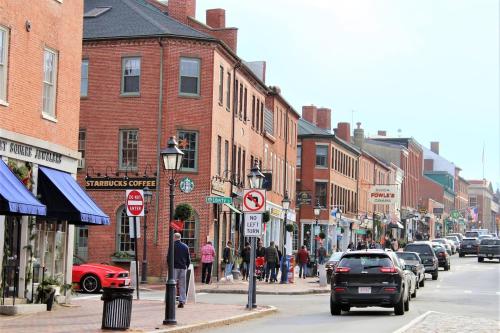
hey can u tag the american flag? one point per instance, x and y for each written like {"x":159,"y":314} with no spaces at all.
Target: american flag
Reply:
{"x":473,"y":213}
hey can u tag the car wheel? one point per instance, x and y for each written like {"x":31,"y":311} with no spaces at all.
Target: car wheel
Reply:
{"x":461,"y":255}
{"x":414,"y":293}
{"x":90,"y":284}
{"x":447,"y":267}
{"x":346,"y":308}
{"x":422,"y":283}
{"x":399,"y":308}
{"x":435,"y":275}
{"x":479,"y":259}
{"x":407,"y":303}
{"x":335,"y":308}
{"x":328,"y":279}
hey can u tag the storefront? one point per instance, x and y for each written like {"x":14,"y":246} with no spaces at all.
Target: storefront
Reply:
{"x":40,"y":203}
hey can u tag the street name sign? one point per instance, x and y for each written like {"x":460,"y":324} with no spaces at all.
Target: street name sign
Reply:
{"x":253,"y":225}
{"x":134,"y":201}
{"x":254,"y":201}
{"x":219,"y":200}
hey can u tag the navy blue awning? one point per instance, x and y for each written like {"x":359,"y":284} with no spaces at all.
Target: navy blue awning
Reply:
{"x":15,"y":197}
{"x":66,"y":200}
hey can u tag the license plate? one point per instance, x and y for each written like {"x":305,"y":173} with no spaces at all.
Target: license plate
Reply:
{"x":364,"y":290}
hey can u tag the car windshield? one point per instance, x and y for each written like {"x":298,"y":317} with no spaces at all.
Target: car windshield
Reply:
{"x":407,"y":256}
{"x":469,"y":241}
{"x":336,"y":256}
{"x":453,"y":238}
{"x":490,"y":241}
{"x":419,"y":248}
{"x":369,"y":263}
{"x":438,"y":248}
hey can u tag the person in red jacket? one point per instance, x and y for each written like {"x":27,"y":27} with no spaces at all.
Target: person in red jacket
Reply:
{"x":302,"y":260}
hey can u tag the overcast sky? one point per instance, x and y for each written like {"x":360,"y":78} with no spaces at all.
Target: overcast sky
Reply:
{"x":427,"y":67}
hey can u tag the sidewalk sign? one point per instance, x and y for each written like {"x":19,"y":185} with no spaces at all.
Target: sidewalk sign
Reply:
{"x":190,"y":285}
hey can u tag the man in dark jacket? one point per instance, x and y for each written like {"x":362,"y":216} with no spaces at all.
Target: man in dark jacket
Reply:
{"x":182,"y":260}
{"x":271,"y":257}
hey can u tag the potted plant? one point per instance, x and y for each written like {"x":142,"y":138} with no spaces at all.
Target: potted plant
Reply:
{"x":47,"y":290}
{"x":290,"y":227}
{"x":183,"y":212}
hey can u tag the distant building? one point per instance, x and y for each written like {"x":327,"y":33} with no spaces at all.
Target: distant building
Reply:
{"x":480,"y":200}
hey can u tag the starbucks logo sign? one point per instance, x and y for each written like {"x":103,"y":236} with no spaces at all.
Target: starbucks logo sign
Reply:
{"x":187,"y":185}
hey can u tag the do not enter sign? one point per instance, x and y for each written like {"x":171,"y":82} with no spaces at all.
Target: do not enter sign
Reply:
{"x":134,"y":201}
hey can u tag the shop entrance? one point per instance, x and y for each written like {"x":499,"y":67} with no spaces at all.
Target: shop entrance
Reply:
{"x":10,"y":260}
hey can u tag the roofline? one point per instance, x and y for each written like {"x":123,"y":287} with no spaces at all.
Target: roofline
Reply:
{"x":275,"y":93}
{"x":377,"y":159}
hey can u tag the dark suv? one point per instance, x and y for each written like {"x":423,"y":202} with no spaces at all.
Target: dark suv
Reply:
{"x":468,"y":246}
{"x":426,"y":253}
{"x":369,"y":278}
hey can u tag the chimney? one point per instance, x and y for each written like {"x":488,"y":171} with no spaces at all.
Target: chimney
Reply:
{"x":382,"y":133}
{"x":216,"y":18}
{"x":435,"y":147}
{"x":359,"y":136}
{"x":428,"y":164}
{"x":324,"y":118}
{"x":344,"y":131}
{"x":180,"y":10}
{"x":309,"y":113}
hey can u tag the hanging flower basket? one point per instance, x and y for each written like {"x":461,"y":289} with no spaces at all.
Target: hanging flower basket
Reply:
{"x":183,"y":212}
{"x":266,"y":216}
{"x":290,"y":227}
{"x":322,"y":235}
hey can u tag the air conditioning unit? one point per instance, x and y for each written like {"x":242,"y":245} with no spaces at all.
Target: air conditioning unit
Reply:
{"x":81,"y":163}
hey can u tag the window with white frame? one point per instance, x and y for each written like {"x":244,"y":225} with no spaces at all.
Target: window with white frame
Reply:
{"x":189,"y":234}
{"x":189,"y":82}
{"x":129,"y":143}
{"x":84,"y":81}
{"x":123,"y":241}
{"x":188,"y":143}
{"x":131,"y":75}
{"x":4,"y":56}
{"x":321,"y":156}
{"x":299,"y":155}
{"x":49,"y":82}
{"x":82,"y":136}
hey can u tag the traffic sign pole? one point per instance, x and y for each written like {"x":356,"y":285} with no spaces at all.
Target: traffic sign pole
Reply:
{"x":136,"y":258}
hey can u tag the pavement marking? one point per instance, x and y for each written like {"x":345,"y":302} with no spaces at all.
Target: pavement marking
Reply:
{"x":201,"y":294}
{"x":438,"y":286}
{"x":85,"y":297}
{"x":414,"y":322}
{"x":467,"y":291}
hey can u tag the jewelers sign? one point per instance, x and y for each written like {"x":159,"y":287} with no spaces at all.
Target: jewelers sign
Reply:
{"x":383,"y":194}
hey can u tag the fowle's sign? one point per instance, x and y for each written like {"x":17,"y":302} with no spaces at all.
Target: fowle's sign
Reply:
{"x":383,"y":194}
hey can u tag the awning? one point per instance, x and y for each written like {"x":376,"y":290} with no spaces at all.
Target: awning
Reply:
{"x":396,"y":225}
{"x":65,"y":199}
{"x":233,"y":208}
{"x":15,"y":197}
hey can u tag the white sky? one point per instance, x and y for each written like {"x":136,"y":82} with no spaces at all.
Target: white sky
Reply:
{"x":427,"y":67}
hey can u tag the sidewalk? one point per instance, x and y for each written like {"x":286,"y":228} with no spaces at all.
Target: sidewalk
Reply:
{"x":147,"y":316}
{"x":436,"y":322}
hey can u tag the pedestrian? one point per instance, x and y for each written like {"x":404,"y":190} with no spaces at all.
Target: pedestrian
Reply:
{"x":321,"y":254}
{"x":361,"y":245}
{"x":245,"y":256}
{"x":302,"y":261}
{"x":271,"y":257}
{"x":373,"y":245}
{"x":394,"y":244}
{"x":351,"y":246}
{"x":182,"y":261}
{"x":207,"y":260}
{"x":260,"y":251}
{"x":227,"y":257}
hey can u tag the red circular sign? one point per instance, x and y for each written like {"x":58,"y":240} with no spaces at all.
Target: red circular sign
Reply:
{"x":254,"y":201}
{"x":135,"y":203}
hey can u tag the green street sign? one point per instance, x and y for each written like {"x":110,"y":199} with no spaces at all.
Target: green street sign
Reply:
{"x":218,"y":200}
{"x":455,"y":214}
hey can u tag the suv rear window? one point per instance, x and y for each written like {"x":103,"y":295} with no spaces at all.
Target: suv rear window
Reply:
{"x":490,"y":241}
{"x":370,"y":263}
{"x":469,"y":241}
{"x":471,"y":234}
{"x":419,"y":248}
{"x":407,"y":256}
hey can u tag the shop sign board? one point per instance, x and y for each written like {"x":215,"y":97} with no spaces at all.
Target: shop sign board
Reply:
{"x":383,"y":194}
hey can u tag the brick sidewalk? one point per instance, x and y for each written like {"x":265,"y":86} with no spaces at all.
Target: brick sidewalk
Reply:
{"x":446,"y":323}
{"x":86,"y":316}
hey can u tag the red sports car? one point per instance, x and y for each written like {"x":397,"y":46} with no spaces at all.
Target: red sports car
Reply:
{"x":90,"y":278}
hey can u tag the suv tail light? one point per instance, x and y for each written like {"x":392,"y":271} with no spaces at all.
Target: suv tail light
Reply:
{"x":342,"y":270}
{"x":441,"y":254}
{"x":388,"y":270}
{"x":390,"y":289}
{"x":339,"y":290}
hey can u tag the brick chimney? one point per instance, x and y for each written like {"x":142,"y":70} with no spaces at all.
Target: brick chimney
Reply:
{"x":428,"y":164}
{"x":382,"y":133}
{"x":324,"y":118}
{"x":182,"y":9}
{"x":435,"y":147}
{"x":216,"y":18}
{"x":309,"y":113}
{"x":359,"y":136}
{"x":344,"y":131}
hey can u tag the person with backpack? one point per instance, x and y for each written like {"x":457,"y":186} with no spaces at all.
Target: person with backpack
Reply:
{"x":302,"y":261}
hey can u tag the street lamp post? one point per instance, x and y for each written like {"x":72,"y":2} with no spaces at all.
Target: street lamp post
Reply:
{"x":317,"y":211}
{"x":285,"y":203}
{"x":172,"y":160}
{"x":255,"y":178}
{"x":338,"y":217}
{"x":148,"y":194}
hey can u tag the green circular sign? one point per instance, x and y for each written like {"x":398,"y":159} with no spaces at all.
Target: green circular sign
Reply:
{"x":187,"y":185}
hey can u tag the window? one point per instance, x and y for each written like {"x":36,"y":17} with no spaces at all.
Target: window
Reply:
{"x":320,"y":191}
{"x":238,"y":168}
{"x":84,"y":81}
{"x":131,"y":74}
{"x":221,"y":84}
{"x":123,"y":241}
{"x":82,"y":135}
{"x":245,"y":106}
{"x":49,"y":82}
{"x":188,"y":143}
{"x":261,"y":117}
{"x":226,"y":155}
{"x":257,"y":121}
{"x":299,"y":156}
{"x":189,"y":76}
{"x":235,"y":106}
{"x":189,"y":234}
{"x":243,"y":166}
{"x":4,"y":44}
{"x":321,"y":156}
{"x":219,"y":148}
{"x":253,"y":111}
{"x":228,"y":93}
{"x":128,"y":149}
{"x":472,"y":201}
{"x":241,"y":101}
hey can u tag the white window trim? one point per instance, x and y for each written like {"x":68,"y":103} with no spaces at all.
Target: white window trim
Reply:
{"x":122,"y":84}
{"x":3,"y":101}
{"x":198,"y":88}
{"x":46,"y":115}
{"x":196,"y":153}
{"x":120,"y":152}
{"x":81,"y":78}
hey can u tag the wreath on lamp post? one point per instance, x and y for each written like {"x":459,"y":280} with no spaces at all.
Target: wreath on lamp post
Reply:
{"x":183,"y":212}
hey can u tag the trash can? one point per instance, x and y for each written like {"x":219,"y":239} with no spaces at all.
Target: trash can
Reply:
{"x":117,"y":308}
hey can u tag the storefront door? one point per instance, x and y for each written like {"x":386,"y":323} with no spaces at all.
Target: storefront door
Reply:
{"x":12,"y":251}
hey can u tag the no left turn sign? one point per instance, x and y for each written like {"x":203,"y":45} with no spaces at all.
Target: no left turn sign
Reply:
{"x":254,"y":201}
{"x":134,"y":201}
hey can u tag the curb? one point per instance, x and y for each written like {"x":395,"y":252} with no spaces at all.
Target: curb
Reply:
{"x":414,"y":322}
{"x":263,"y":292}
{"x":267,"y":310}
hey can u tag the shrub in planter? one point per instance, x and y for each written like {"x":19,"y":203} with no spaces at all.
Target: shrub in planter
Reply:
{"x":322,"y":235}
{"x":290,"y":227}
{"x":183,"y":212}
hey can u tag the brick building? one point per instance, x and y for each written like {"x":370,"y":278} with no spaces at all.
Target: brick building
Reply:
{"x":480,"y":197}
{"x":146,"y":76}
{"x":40,"y":58}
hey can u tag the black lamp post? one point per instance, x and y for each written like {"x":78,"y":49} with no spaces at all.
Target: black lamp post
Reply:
{"x":255,"y":178}
{"x":148,"y":194}
{"x":285,"y":203}
{"x":172,"y":161}
{"x":338,"y":217}
{"x":317,"y":211}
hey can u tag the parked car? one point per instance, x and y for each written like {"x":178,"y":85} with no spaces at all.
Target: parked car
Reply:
{"x":90,"y":277}
{"x":445,"y":243}
{"x":481,"y":237}
{"x":469,"y":246}
{"x":412,"y":277}
{"x":331,"y":263}
{"x":455,"y":240}
{"x":442,"y":255}
{"x":489,"y":248}
{"x":413,"y":259}
{"x":426,"y":253}
{"x":459,"y":235}
{"x":369,"y":278}
{"x":472,"y":234}
{"x":494,"y":235}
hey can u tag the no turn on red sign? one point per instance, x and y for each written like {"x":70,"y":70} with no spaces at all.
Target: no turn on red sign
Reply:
{"x":254,"y":201}
{"x":134,"y":201}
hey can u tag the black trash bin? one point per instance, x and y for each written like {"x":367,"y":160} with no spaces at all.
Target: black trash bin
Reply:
{"x":117,"y":308}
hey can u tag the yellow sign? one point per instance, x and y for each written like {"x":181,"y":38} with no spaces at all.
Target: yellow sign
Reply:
{"x":276,"y":212}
